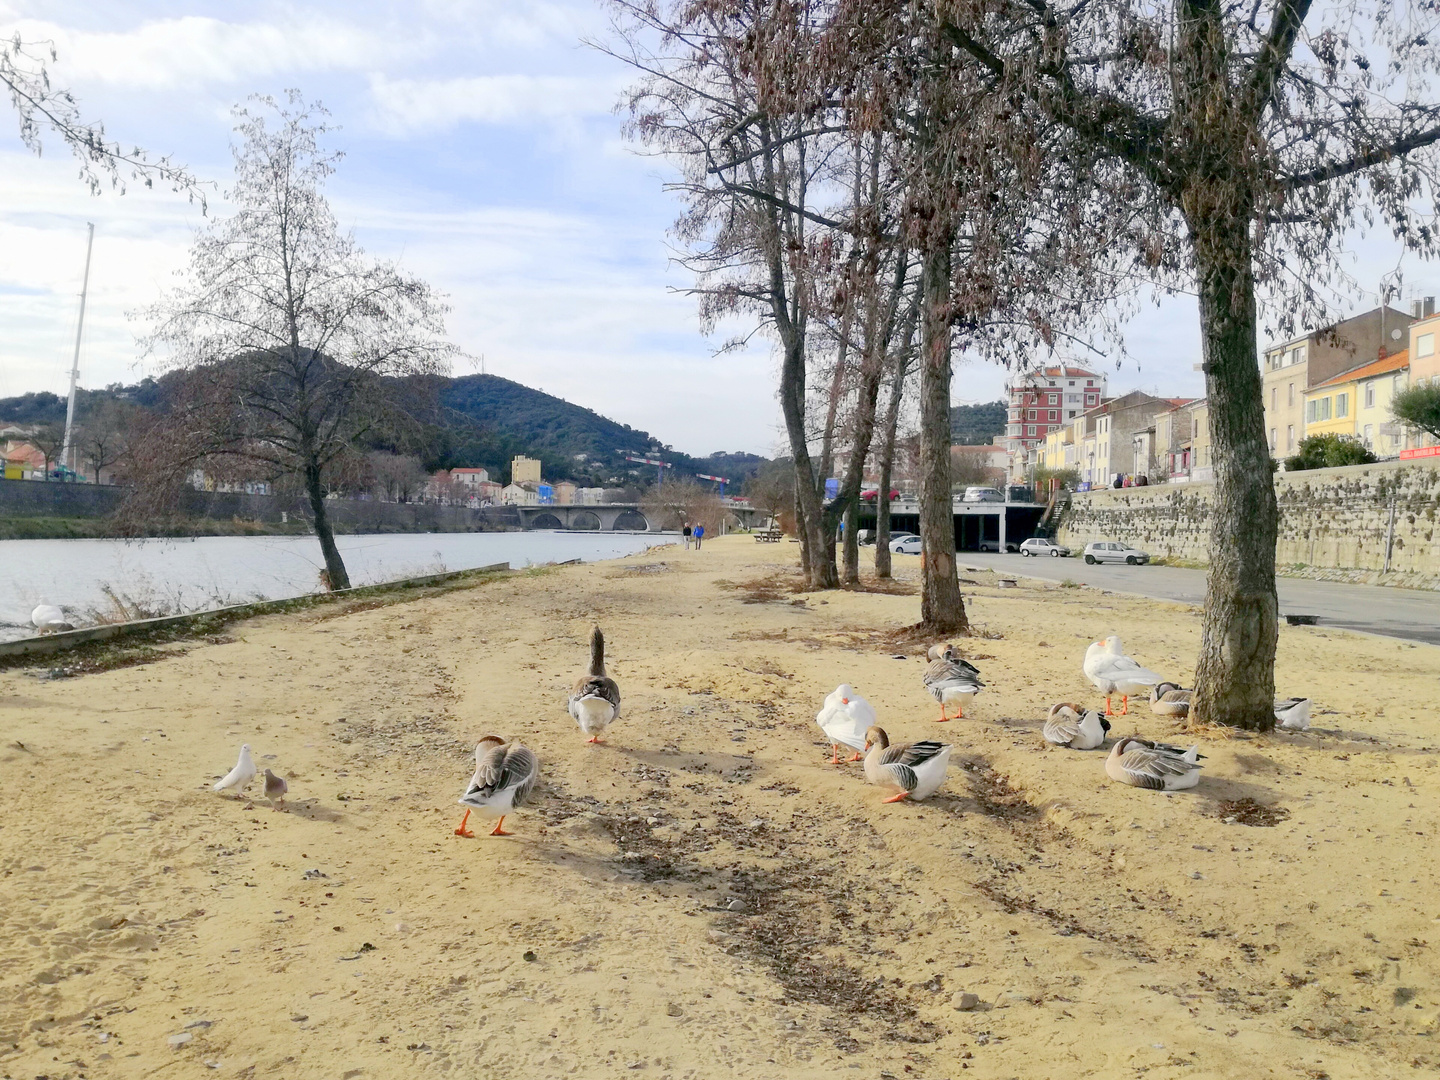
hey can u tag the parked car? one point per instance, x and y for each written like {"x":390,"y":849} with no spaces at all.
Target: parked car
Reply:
{"x":906,"y":545}
{"x":994,"y":545}
{"x":1101,"y":551}
{"x":1043,"y":545}
{"x":982,"y":495}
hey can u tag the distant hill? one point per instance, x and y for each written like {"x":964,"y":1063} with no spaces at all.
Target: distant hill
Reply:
{"x":484,"y":421}
{"x":975,"y":425}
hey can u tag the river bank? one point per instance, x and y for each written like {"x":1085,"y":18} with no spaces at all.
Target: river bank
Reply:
{"x":705,"y":897}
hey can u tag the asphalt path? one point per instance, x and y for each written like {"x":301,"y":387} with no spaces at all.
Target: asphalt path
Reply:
{"x":1411,"y":614}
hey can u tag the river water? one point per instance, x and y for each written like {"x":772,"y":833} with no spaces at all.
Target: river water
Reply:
{"x":164,"y":577}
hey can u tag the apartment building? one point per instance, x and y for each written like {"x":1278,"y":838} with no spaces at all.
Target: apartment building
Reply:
{"x":1046,"y":399}
{"x":1356,"y":404}
{"x":1294,"y":368}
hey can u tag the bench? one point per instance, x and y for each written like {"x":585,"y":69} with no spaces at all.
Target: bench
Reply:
{"x":768,"y":536}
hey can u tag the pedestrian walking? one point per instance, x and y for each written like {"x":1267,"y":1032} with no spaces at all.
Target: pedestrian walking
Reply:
{"x":699,"y":535}
{"x":685,"y":532}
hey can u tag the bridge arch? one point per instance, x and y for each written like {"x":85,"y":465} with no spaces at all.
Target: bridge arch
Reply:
{"x":546,"y":521}
{"x":585,"y":520}
{"x":631,"y":520}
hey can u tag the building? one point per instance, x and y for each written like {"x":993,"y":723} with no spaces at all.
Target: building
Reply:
{"x":1424,"y":362}
{"x":1290,"y":370}
{"x":565,"y":492}
{"x":590,"y":496}
{"x":520,"y":495}
{"x":523,"y":469}
{"x":1182,"y":443}
{"x":489,"y":491}
{"x":1116,"y":423}
{"x":23,"y":462}
{"x":1043,"y":400}
{"x":1356,"y":404}
{"x":979,"y":464}
{"x":471,"y":478}
{"x":1057,"y":442}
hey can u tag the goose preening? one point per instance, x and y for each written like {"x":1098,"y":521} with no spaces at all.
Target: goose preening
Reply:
{"x":238,"y":778}
{"x":49,"y":619}
{"x":595,"y":699}
{"x":845,"y":717}
{"x":1167,"y":699}
{"x":1112,"y":672}
{"x":914,"y":770}
{"x":1157,"y":766}
{"x":1293,"y":714}
{"x":949,"y":677}
{"x":275,"y":789}
{"x":1078,"y":728}
{"x":505,"y":774}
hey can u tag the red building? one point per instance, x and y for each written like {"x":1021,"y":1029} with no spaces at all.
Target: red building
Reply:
{"x":1043,"y":400}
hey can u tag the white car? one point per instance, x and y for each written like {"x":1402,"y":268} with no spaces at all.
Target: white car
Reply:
{"x":1102,"y":551}
{"x":1043,"y":545}
{"x":906,"y":545}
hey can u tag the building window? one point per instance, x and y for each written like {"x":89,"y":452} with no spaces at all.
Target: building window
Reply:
{"x":1274,"y":398}
{"x":1342,"y":405}
{"x":1054,"y":399}
{"x":1395,"y":385}
{"x":1369,"y":395}
{"x":1290,"y":393}
{"x":1272,"y":440}
{"x":1030,"y":430}
{"x":1370,"y":435}
{"x":1072,"y":398}
{"x":1054,"y":415}
{"x":1425,"y":345}
{"x":1317,"y":410}
{"x":1297,"y":354}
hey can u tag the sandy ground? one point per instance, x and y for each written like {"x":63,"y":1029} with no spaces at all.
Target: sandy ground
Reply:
{"x":706,"y":897}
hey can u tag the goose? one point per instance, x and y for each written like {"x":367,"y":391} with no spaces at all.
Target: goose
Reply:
{"x":1112,"y":672}
{"x":49,"y":619}
{"x":505,"y":774}
{"x":238,"y":778}
{"x":1157,"y":766}
{"x":595,"y":699}
{"x":1293,"y":714}
{"x":950,"y":677}
{"x":915,"y":770}
{"x":1167,"y":699}
{"x":1080,"y":729}
{"x":844,"y":718}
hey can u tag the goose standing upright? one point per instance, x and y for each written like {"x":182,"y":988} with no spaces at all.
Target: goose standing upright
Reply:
{"x":1112,"y":672}
{"x":950,"y":677}
{"x":505,"y":774}
{"x":915,"y":770}
{"x":595,"y":699}
{"x":845,"y":717}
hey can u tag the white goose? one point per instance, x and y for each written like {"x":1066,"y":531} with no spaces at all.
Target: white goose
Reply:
{"x":1112,"y":672}
{"x":49,"y":619}
{"x":914,"y":771}
{"x":845,"y":717}
{"x":1071,"y":725}
{"x":595,"y":698}
{"x":1293,"y":714}
{"x":1157,"y":766}
{"x":949,"y":677}
{"x":505,"y":774}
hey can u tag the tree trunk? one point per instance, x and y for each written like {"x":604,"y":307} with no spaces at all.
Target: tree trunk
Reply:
{"x":851,"y":547}
{"x":809,"y":514}
{"x":941,"y":606}
{"x":887,"y":450}
{"x":334,"y":565}
{"x":1235,"y":677}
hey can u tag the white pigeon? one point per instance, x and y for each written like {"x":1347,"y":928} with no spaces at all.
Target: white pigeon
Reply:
{"x":1293,"y":714}
{"x":238,"y":778}
{"x":1112,"y":672}
{"x":844,"y":717}
{"x":49,"y":619}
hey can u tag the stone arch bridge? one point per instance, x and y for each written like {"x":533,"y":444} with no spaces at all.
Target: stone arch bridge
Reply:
{"x":609,"y":517}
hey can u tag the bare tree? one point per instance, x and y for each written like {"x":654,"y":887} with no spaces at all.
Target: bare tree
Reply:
{"x":49,"y":439}
{"x":397,"y":476}
{"x":286,"y":329}
{"x":677,"y":503}
{"x":103,"y":438}
{"x":40,"y":106}
{"x":1239,"y":143}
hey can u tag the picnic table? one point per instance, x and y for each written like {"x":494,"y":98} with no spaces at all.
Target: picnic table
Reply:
{"x":767,"y":536}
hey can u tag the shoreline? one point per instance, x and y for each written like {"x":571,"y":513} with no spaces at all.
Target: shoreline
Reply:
{"x":705,"y":897}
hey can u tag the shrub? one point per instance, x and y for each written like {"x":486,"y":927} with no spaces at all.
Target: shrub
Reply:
{"x":1328,"y":452}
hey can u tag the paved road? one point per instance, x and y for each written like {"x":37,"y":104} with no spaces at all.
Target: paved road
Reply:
{"x":1413,"y":614}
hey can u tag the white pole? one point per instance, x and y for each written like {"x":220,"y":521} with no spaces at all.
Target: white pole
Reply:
{"x":67,"y":448}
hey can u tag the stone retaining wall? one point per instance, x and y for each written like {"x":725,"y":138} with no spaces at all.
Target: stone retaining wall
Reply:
{"x":1329,"y":518}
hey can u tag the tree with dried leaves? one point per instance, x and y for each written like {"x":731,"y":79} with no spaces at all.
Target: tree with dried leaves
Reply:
{"x":1239,"y":144}
{"x":285,"y":330}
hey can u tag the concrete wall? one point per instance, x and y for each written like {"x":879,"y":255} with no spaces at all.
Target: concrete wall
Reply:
{"x":1329,"y":518}
{"x":32,"y":498}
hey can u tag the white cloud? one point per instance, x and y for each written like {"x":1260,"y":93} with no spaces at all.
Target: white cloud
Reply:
{"x":405,"y":105}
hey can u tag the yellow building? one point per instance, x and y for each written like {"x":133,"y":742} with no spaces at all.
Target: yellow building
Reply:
{"x":524,"y":469}
{"x":1053,"y":452}
{"x":1330,"y":407}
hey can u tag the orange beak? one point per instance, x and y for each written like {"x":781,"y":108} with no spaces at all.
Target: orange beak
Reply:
{"x":844,"y":701}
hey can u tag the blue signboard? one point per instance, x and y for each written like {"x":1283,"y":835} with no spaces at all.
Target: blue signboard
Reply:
{"x":832,"y":488}
{"x":547,"y":494}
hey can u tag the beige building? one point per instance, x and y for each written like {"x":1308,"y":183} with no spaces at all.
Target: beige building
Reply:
{"x":1291,"y":369}
{"x":1424,"y":361}
{"x":565,"y":493}
{"x":1182,"y":443}
{"x":524,"y":469}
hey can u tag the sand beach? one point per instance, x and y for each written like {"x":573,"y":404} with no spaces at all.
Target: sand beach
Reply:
{"x":705,"y":896}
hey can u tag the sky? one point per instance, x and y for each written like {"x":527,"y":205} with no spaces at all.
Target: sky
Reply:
{"x":482,"y":150}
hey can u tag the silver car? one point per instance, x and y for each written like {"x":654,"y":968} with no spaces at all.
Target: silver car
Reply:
{"x":1043,"y":545}
{"x":1102,"y":551}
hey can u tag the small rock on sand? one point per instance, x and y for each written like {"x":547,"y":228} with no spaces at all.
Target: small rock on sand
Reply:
{"x":177,"y":1041}
{"x":965,"y":1001}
